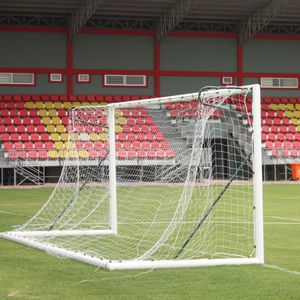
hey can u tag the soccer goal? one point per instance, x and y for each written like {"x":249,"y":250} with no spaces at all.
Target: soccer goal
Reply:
{"x":158,"y":183}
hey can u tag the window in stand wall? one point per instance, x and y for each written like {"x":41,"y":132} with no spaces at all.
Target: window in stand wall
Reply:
{"x":83,"y":78}
{"x":17,"y":79}
{"x":55,"y":77}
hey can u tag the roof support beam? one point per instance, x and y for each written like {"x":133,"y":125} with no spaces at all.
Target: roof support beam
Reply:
{"x":261,"y":18}
{"x":174,"y":16}
{"x":82,"y":14}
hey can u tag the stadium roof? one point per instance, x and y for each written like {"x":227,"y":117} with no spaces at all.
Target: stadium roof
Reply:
{"x":247,"y":17}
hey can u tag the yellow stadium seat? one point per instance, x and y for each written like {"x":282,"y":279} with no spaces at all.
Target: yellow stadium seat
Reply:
{"x":43,"y":113}
{"x":77,"y":103}
{"x":69,"y":145}
{"x":294,"y":121}
{"x":297,"y":106}
{"x":59,"y":105}
{"x":118,"y":112}
{"x":118,"y":128}
{"x":39,"y":105}
{"x":47,"y":120}
{"x":62,"y":153}
{"x":49,"y":105}
{"x":59,"y":145}
{"x":67,"y":104}
{"x":297,"y":114}
{"x":55,"y":137}
{"x":51,"y":128}
{"x":121,"y":120}
{"x":30,"y":105}
{"x":64,"y":136}
{"x":94,"y":136}
{"x":290,"y":106}
{"x":273,"y":106}
{"x":103,"y":136}
{"x":72,"y":154}
{"x":94,"y":103}
{"x":289,"y":114}
{"x":103,"y":103}
{"x":56,"y":120}
{"x":281,"y":106}
{"x":85,"y":103}
{"x":52,"y":112}
{"x":298,"y":128}
{"x":53,"y":154}
{"x":83,"y":154}
{"x":60,"y":128}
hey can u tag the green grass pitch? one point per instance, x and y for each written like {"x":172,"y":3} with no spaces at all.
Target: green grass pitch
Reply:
{"x":27,"y":273}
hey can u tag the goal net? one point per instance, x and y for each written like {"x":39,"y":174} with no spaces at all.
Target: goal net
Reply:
{"x":163,"y":182}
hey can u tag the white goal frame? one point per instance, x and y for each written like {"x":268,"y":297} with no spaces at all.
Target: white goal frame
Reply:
{"x":28,"y":237}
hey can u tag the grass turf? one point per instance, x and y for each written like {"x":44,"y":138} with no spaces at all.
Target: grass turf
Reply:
{"x":26,"y":273}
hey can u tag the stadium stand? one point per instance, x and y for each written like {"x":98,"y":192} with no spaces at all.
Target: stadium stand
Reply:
{"x":36,"y":127}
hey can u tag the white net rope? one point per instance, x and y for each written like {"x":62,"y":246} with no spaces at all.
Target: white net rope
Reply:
{"x":184,"y":181}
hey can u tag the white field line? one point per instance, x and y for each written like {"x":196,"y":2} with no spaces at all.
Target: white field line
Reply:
{"x":283,"y":218}
{"x":4,"y":212}
{"x":282,"y":269}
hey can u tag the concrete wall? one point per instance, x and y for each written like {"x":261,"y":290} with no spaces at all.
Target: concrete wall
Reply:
{"x":198,"y":54}
{"x":104,"y":52}
{"x":32,"y":50}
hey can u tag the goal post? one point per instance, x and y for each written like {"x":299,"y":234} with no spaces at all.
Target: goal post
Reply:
{"x":165,"y":182}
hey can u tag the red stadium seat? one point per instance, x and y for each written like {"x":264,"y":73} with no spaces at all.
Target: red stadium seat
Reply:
{"x":122,"y":154}
{"x":5,"y":137}
{"x":8,"y":145}
{"x":159,"y":136}
{"x":48,"y":145}
{"x":160,"y":153}
{"x":146,"y":145}
{"x":127,"y":145}
{"x":24,"y":137}
{"x":7,"y":120}
{"x":151,"y":154}
{"x":141,"y":154}
{"x":269,"y":144}
{"x":27,"y":120}
{"x":38,"y":145}
{"x":33,"y":112}
{"x":3,"y":128}
{"x":42,"y":154}
{"x":20,"y":128}
{"x":271,"y":136}
{"x":132,"y":154}
{"x":10,"y":128}
{"x":14,"y":137}
{"x":19,"y":145}
{"x":136,"y":144}
{"x":32,"y":154}
{"x":13,"y":112}
{"x":35,"y":137}
{"x":287,"y":144}
{"x":29,"y":145}
{"x":45,"y":137}
{"x":289,"y":136}
{"x":155,"y":145}
{"x":122,"y":136}
{"x":140,"y":136}
{"x":280,"y":137}
{"x":150,"y":137}
{"x":277,"y":144}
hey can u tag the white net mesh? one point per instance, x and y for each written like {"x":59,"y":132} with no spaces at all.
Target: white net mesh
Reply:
{"x":184,"y":180}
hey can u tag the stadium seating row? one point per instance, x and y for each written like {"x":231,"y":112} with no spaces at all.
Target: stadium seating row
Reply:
{"x":121,"y":154}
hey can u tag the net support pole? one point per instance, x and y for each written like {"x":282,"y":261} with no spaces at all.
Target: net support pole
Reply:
{"x":112,"y":171}
{"x":257,"y":176}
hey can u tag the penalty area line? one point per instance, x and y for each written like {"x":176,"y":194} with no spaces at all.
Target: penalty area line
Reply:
{"x":285,"y":270}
